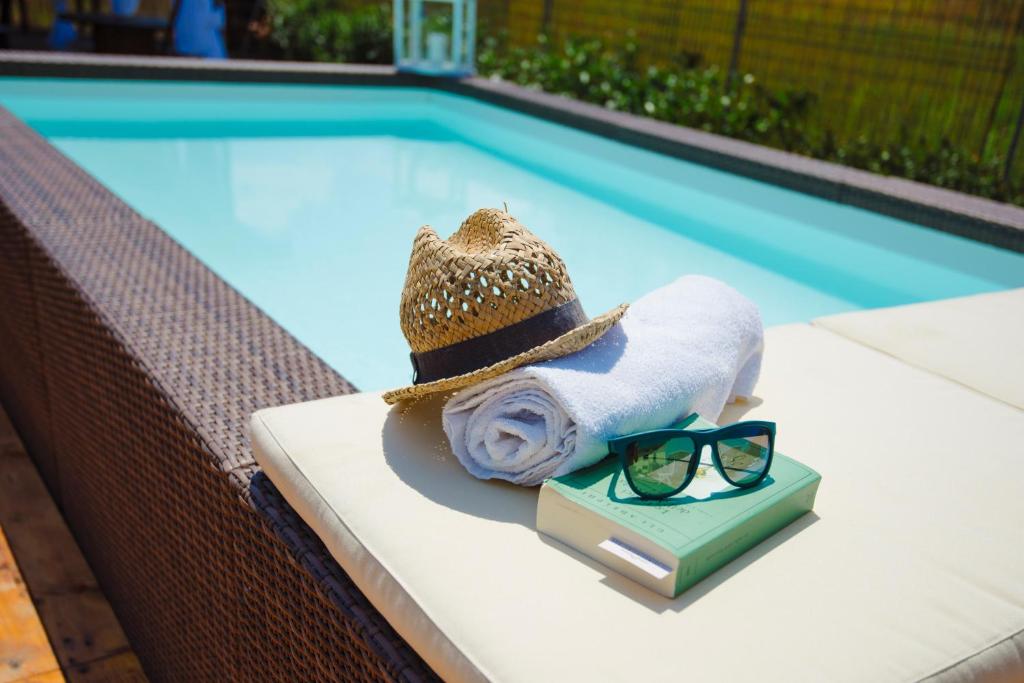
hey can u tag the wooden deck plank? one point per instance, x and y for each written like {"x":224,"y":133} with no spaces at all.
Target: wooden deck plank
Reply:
{"x":122,"y":668}
{"x":86,"y":638}
{"x":54,"y":676}
{"x":24,"y":649}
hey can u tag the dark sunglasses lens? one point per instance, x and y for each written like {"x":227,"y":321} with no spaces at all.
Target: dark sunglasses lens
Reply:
{"x":658,"y":469}
{"x":744,"y":459}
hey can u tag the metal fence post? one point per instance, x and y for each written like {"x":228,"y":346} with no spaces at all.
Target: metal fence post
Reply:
{"x":545,"y":21}
{"x":1011,"y":151}
{"x":737,"y":39}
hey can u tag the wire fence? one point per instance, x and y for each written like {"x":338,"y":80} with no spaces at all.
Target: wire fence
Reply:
{"x":883,"y":69}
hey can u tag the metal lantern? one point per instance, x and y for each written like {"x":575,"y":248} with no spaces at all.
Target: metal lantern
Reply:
{"x":435,"y":37}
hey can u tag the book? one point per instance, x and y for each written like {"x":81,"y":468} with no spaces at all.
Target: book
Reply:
{"x":669,"y":545}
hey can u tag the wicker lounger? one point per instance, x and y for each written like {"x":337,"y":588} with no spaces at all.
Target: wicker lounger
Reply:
{"x":130,"y":370}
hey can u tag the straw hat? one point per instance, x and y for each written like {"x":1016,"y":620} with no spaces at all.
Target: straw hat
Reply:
{"x":489,"y":299}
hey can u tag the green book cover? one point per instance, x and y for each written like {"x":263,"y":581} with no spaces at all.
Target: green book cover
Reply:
{"x":672,"y":544}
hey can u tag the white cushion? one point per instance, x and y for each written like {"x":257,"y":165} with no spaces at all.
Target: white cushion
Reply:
{"x":975,"y":340}
{"x":910,"y":568}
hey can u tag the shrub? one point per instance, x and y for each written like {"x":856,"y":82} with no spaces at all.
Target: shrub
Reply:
{"x":943,"y":164}
{"x":704,"y":97}
{"x":687,"y":94}
{"x":325,"y":31}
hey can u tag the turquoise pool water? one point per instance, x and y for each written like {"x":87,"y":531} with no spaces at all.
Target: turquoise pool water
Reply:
{"x":306,"y":199}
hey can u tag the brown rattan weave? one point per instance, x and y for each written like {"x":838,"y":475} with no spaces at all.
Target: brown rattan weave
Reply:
{"x":130,"y":370}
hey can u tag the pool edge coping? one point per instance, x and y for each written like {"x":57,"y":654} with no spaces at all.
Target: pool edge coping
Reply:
{"x":969,"y":216}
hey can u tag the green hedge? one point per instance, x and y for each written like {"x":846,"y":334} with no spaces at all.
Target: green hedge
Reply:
{"x":686,"y":93}
{"x":326,"y":31}
{"x":705,"y":97}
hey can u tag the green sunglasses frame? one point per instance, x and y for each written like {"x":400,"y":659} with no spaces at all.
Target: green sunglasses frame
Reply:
{"x":620,"y":446}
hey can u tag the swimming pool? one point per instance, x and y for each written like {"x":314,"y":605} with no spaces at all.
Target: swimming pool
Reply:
{"x":306,"y":199}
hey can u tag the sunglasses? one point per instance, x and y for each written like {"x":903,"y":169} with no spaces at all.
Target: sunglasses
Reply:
{"x":661,"y":463}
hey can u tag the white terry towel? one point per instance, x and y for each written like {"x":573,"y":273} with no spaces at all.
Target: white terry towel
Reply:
{"x":687,"y":347}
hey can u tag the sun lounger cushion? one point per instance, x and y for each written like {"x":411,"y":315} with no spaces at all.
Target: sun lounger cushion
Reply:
{"x":975,"y":340}
{"x":910,"y":568}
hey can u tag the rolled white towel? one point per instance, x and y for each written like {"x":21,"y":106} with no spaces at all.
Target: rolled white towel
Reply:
{"x":690,"y":346}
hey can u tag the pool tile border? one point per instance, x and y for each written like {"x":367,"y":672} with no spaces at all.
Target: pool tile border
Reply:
{"x":953,"y":212}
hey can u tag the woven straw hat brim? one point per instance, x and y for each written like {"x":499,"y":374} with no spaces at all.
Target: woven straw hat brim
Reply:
{"x":570,"y":342}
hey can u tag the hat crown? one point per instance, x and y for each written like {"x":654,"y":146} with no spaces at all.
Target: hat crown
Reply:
{"x":490,"y":274}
